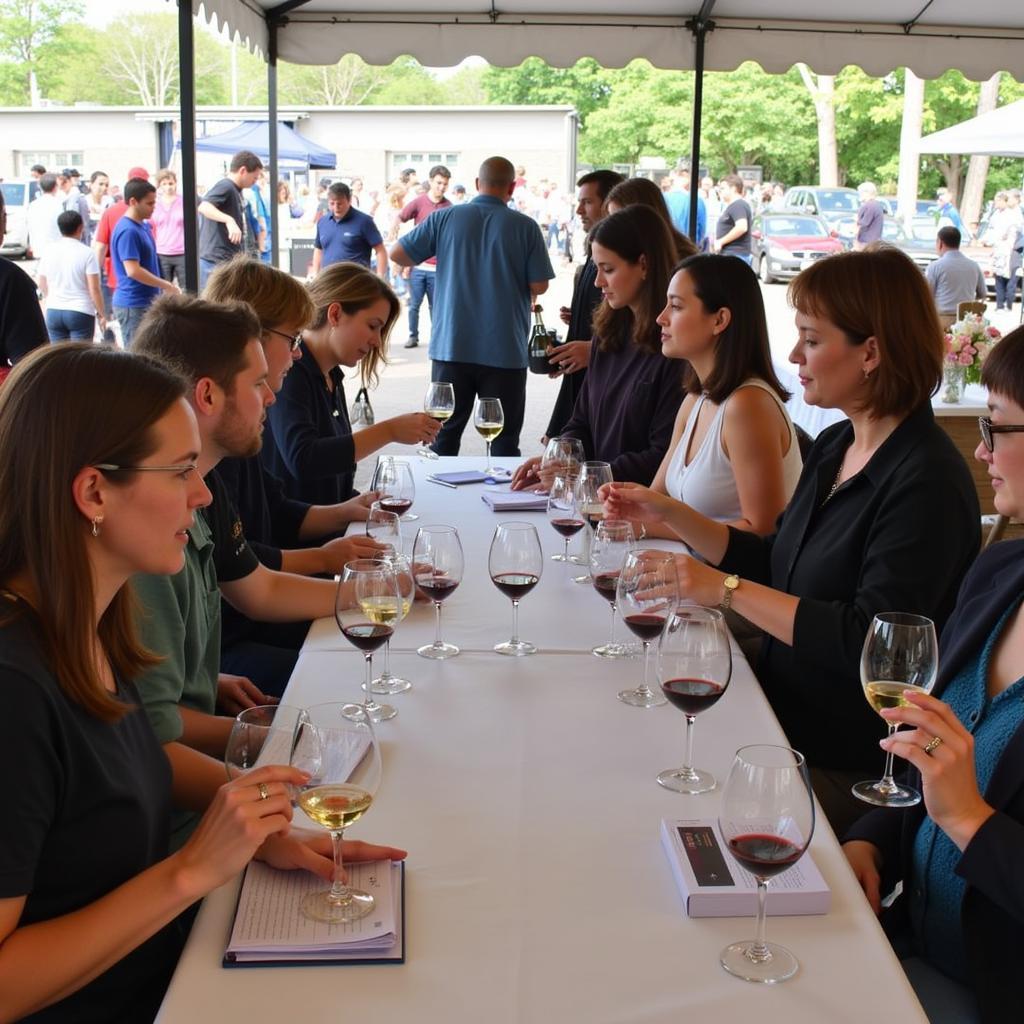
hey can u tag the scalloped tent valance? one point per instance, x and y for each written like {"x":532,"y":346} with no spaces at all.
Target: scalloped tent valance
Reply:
{"x":929,"y":36}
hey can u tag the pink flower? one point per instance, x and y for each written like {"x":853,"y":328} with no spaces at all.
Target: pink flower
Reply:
{"x":993,"y":332}
{"x":966,"y":359}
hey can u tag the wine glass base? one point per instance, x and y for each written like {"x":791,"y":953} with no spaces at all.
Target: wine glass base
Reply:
{"x":427,"y":453}
{"x":687,"y":780}
{"x":409,"y":517}
{"x":870,"y":793}
{"x":374,"y":711}
{"x":319,"y":906}
{"x":613,"y":650}
{"x":579,"y":560}
{"x":516,"y":648}
{"x":779,"y":965}
{"x":437,"y":652}
{"x":558,"y":558}
{"x":638,"y":699}
{"x":386,"y":686}
{"x":585,"y":580}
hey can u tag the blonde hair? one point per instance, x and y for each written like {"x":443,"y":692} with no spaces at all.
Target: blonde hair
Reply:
{"x":355,"y":287}
{"x":165,"y":172}
{"x":276,"y":297}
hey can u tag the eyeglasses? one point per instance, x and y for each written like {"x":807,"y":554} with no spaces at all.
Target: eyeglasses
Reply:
{"x":184,"y":467}
{"x":293,"y":342}
{"x":989,"y":430}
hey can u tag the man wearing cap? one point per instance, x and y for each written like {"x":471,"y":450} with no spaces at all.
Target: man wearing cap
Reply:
{"x":223,"y":224}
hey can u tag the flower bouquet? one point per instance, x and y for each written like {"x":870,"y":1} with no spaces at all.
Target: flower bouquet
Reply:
{"x":968,"y":343}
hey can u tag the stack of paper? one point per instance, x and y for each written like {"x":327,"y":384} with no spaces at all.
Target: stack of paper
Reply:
{"x":515,"y":501}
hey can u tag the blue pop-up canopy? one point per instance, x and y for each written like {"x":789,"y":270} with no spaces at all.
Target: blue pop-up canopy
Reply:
{"x":293,"y":149}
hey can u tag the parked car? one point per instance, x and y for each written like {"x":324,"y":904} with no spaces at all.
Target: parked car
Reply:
{"x":836,"y":206}
{"x":925,"y":220}
{"x":920,"y":250}
{"x":783,"y":244}
{"x":16,"y":200}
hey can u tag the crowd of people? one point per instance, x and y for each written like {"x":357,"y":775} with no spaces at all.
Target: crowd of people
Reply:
{"x":167,"y":538}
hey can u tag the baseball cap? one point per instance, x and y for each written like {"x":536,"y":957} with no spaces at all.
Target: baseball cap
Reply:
{"x":138,"y":172}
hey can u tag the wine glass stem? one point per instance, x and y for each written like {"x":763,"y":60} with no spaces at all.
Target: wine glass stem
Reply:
{"x":759,"y":952}
{"x":386,"y":674}
{"x":489,"y":469}
{"x":612,"y":640}
{"x":339,"y":891}
{"x":565,"y":554}
{"x":437,"y":623}
{"x":688,"y":761}
{"x":369,"y":703}
{"x":645,"y":689}
{"x":515,"y":622}
{"x":887,"y":784}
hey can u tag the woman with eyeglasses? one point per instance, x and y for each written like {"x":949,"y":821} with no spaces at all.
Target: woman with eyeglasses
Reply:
{"x":311,"y":446}
{"x":91,"y":902}
{"x":960,"y":918}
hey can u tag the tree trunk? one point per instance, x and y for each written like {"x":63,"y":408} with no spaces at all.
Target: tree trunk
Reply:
{"x":910,"y":138}
{"x":823,"y":94}
{"x":977,"y":172}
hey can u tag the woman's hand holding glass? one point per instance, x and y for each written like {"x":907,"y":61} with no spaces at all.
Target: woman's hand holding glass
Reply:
{"x":385,"y":529}
{"x":438,"y":404}
{"x":635,"y":502}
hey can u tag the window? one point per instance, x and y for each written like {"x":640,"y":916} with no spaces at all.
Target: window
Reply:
{"x":53,"y":161}
{"x":422,"y":162}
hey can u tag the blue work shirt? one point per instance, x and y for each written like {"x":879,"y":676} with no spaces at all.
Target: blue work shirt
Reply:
{"x":133,"y":241}
{"x":352,"y":238}
{"x":487,"y":256}
{"x":678,"y":204}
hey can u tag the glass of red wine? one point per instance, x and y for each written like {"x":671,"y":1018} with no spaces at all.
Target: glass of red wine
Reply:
{"x":515,"y":562}
{"x":593,"y":475}
{"x":613,"y":541}
{"x":437,"y":562}
{"x":562,"y":512}
{"x":766,"y":819}
{"x":367,"y":608}
{"x":397,"y":489}
{"x":694,"y":668}
{"x":646,"y":597}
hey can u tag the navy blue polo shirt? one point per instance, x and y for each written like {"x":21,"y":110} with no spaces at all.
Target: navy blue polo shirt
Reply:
{"x":352,"y":238}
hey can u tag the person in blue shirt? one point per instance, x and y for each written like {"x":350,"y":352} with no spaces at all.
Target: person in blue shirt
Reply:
{"x":492,"y":263}
{"x":348,"y":235}
{"x":133,"y":253}
{"x":678,"y":202}
{"x":948,"y":213}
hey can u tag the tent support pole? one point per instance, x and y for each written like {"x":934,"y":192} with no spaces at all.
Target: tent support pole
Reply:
{"x":187,"y":78}
{"x":699,"y":26}
{"x":273,"y":173}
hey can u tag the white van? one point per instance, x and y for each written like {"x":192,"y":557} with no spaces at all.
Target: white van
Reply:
{"x":16,"y":200}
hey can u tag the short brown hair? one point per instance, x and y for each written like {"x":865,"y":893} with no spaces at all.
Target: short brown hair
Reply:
{"x":48,"y":433}
{"x":246,"y":160}
{"x":275,"y":297}
{"x":879,"y":293}
{"x":198,"y":338}
{"x":355,"y":287}
{"x":164,"y":173}
{"x":1003,"y":370}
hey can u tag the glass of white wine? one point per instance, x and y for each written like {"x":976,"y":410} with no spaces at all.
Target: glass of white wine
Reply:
{"x":901,"y":652}
{"x":489,"y":420}
{"x":336,"y":746}
{"x":438,"y":404}
{"x":387,"y":682}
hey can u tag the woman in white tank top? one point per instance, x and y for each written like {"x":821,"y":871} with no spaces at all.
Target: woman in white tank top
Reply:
{"x":734,"y":455}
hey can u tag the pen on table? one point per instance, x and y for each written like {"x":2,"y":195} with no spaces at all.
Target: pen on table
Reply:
{"x":443,"y":483}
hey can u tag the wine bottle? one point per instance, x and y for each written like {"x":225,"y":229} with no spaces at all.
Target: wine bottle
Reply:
{"x":539,"y":341}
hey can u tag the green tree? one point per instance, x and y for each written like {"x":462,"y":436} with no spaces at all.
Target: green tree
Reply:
{"x":466,"y":87}
{"x":36,"y":40}
{"x":586,"y":85}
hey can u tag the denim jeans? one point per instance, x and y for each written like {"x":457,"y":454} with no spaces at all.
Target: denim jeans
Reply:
{"x":62,"y":324}
{"x":172,"y":268}
{"x":421,"y":282}
{"x":205,"y":270}
{"x":129,"y":317}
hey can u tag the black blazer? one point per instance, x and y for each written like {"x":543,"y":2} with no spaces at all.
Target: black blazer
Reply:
{"x":992,"y":913}
{"x":898,"y":536}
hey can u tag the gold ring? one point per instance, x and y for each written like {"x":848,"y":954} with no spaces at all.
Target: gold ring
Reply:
{"x":933,"y":744}
{"x":264,"y":792}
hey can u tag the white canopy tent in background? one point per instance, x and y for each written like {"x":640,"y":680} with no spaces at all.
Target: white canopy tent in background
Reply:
{"x":929,"y":36}
{"x":1000,"y":132}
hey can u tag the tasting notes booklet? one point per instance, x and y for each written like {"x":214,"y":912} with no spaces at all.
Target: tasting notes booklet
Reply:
{"x":270,"y":930}
{"x":713,"y":884}
{"x":514,"y":501}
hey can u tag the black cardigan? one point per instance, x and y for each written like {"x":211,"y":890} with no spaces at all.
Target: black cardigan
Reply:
{"x":898,"y":536}
{"x":992,"y":912}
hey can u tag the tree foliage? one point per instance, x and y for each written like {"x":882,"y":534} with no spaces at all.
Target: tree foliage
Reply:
{"x":37,"y":38}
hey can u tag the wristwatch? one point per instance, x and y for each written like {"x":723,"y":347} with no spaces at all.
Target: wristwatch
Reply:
{"x":729,"y":586}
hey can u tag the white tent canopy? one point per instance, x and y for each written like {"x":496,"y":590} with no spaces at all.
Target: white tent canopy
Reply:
{"x":998,"y":133}
{"x":929,"y":36}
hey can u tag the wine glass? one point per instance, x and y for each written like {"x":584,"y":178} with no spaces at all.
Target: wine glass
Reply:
{"x":900,"y":653}
{"x":438,"y":404}
{"x":613,"y":540}
{"x":489,"y":420}
{"x":515,"y":562}
{"x":387,"y":683}
{"x":336,"y":746}
{"x":767,"y":820}
{"x":694,"y":667}
{"x":646,"y":596}
{"x":437,"y":565}
{"x":366,"y":608}
{"x":260,"y":735}
{"x":562,"y":512}
{"x":564,"y":455}
{"x":385,"y":528}
{"x":392,"y":479}
{"x":593,"y":475}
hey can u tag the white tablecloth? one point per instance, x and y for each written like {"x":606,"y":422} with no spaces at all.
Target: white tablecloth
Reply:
{"x":537,"y":890}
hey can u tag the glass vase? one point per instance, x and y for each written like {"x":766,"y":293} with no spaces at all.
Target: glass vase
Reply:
{"x":954,"y":379}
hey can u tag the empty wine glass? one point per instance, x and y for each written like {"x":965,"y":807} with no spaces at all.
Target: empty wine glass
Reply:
{"x":366,"y":609}
{"x":563,"y":456}
{"x":516,"y":562}
{"x":336,"y":746}
{"x":437,"y":565}
{"x":694,"y":667}
{"x":646,"y":596}
{"x":387,"y":683}
{"x":385,"y":528}
{"x":900,"y":653}
{"x":394,"y":483}
{"x":766,"y":819}
{"x":260,"y":735}
{"x":613,"y":540}
{"x":593,"y":475}
{"x":489,"y":420}
{"x":562,"y":512}
{"x":438,"y":404}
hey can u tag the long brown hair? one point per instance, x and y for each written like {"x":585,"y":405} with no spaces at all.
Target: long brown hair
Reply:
{"x":354,"y":287}
{"x":643,"y":192}
{"x":65,"y":407}
{"x":631,"y":234}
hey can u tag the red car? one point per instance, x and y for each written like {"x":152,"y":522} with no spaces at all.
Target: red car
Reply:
{"x":783,"y":244}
